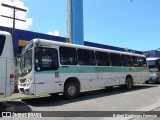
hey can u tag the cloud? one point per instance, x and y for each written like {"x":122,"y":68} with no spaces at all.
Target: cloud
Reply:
{"x":55,"y":33}
{"x":19,"y":14}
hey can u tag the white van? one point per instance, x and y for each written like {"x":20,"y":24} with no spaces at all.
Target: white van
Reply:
{"x":6,"y":64}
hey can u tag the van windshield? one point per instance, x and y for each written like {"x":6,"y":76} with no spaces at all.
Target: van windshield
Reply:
{"x":2,"y":41}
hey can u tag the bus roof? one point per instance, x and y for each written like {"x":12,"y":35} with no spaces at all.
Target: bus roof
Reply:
{"x":4,"y":33}
{"x":50,"y":43}
{"x":153,"y":58}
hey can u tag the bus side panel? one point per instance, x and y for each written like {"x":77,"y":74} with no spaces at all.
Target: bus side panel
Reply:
{"x":140,"y":77}
{"x":108,"y":76}
{"x":87,"y":75}
{"x":87,"y":80}
{"x":47,"y":82}
{"x":2,"y":77}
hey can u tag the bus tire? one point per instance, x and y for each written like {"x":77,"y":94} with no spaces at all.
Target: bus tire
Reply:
{"x":71,"y":90}
{"x":129,"y":83}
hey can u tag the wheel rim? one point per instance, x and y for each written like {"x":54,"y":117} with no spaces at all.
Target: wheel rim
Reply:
{"x":71,"y":90}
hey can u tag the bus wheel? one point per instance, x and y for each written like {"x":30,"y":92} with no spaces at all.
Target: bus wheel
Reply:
{"x":129,"y":83}
{"x":71,"y":90}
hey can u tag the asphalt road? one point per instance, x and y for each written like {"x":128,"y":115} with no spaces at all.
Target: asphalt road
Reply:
{"x":141,"y":100}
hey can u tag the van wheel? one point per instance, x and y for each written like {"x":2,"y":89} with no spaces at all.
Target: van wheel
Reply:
{"x":129,"y":83}
{"x":71,"y":90}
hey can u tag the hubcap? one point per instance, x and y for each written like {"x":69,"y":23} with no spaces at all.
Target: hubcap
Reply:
{"x":71,"y":90}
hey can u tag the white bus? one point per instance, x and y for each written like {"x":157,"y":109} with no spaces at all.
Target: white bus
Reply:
{"x":55,"y":67}
{"x":154,"y":68}
{"x":6,"y":64}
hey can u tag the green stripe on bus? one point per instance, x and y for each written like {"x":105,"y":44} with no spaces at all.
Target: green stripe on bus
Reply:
{"x":90,"y":69}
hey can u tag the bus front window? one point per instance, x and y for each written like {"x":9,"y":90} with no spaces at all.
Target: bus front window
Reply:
{"x":26,"y":62}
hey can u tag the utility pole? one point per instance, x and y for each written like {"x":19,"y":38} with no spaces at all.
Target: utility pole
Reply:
{"x":15,"y":9}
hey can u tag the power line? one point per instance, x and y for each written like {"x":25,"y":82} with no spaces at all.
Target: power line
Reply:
{"x":14,"y":17}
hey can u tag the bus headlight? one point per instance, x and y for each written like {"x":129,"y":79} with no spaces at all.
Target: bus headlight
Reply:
{"x":28,"y":81}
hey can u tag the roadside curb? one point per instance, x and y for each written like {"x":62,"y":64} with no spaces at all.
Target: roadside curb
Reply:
{"x":16,"y":96}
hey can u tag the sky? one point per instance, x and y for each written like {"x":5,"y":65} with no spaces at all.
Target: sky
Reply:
{"x":121,"y":23}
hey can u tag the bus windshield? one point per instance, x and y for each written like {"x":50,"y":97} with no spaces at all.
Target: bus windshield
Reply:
{"x":154,"y":65}
{"x":151,"y":64}
{"x":27,"y":46}
{"x":26,"y":62}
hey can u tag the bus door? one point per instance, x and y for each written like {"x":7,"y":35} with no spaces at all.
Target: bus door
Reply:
{"x":2,"y":77}
{"x":46,"y":71}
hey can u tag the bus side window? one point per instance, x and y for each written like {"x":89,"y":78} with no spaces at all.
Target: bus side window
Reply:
{"x":102,"y":59}
{"x":135,"y":61}
{"x":68,"y":56}
{"x":126,"y":60}
{"x":143,"y":62}
{"x":115,"y":59}
{"x":46,"y":59}
{"x":86,"y":57}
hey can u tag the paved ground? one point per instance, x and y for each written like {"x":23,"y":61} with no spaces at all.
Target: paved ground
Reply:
{"x":143,"y":98}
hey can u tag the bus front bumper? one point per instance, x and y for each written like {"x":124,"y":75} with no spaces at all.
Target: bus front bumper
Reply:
{"x":25,"y":90}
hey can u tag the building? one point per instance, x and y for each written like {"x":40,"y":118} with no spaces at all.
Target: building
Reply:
{"x":22,"y":36}
{"x":75,"y":21}
{"x":152,"y":53}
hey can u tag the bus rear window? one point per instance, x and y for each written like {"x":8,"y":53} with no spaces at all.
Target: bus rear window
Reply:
{"x":2,"y":41}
